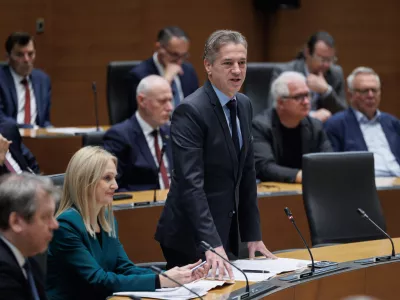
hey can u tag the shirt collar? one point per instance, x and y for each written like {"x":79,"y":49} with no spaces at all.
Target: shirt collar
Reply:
{"x":159,"y":66}
{"x":17,"y":78}
{"x":18,"y":255}
{"x":362,"y":119}
{"x":223,"y":99}
{"x":146,"y":127}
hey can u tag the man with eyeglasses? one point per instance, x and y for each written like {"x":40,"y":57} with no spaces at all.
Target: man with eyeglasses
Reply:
{"x":324,"y":78}
{"x":169,"y":61}
{"x":363,"y":127}
{"x":284,"y":133}
{"x":25,"y":92}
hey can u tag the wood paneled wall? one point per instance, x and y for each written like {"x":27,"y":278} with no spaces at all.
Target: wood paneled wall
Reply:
{"x":81,"y":37}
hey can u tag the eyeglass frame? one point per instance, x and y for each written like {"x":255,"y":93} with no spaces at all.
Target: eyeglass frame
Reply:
{"x":365,"y":92}
{"x":298,"y":98}
{"x":176,"y":56}
{"x":330,"y":60}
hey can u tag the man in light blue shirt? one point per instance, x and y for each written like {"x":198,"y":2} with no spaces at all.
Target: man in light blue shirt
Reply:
{"x":363,"y":127}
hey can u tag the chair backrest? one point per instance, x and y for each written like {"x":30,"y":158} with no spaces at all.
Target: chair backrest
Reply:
{"x":119,"y":90}
{"x":334,"y":186}
{"x":257,"y":85}
{"x":94,"y":138}
{"x":57,"y":179}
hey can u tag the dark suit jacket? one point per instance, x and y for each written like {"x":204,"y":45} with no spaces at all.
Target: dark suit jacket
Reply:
{"x":189,"y":80}
{"x":18,"y":150}
{"x":345,"y":134}
{"x":137,"y":170}
{"x":268,"y":152}
{"x":78,"y":267}
{"x":209,"y":182}
{"x":13,"y":284}
{"x":334,"y":101}
{"x":9,"y":102}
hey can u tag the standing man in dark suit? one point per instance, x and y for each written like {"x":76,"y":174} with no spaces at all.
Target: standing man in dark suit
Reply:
{"x":139,"y":142}
{"x":25,"y":92}
{"x":284,"y":133}
{"x":15,"y":157}
{"x":324,"y":78}
{"x":27,"y":206}
{"x":213,"y":194}
{"x":169,"y":61}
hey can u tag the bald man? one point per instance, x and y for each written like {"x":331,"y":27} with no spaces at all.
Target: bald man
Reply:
{"x":141,"y":143}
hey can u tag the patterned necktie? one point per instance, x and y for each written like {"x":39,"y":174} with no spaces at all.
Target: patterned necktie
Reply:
{"x":31,"y":281}
{"x":232,"y":105}
{"x":175,"y":93}
{"x":163,"y":170}
{"x":27,"y":118}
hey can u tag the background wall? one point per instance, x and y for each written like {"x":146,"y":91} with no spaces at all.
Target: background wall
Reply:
{"x":81,"y":37}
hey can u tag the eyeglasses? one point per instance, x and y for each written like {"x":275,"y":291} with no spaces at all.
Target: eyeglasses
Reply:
{"x":329,"y":60}
{"x":176,"y":56}
{"x":364,"y":92}
{"x":298,"y":98}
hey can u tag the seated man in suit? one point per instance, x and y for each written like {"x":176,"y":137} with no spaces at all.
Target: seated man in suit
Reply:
{"x":27,"y":205}
{"x":169,"y":61}
{"x":25,"y":92}
{"x":284,"y":133}
{"x":15,"y":157}
{"x":324,"y":78}
{"x":363,"y":127}
{"x":140,"y":142}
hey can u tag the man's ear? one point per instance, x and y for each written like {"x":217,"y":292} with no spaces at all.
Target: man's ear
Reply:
{"x":140,"y":99}
{"x":16,"y":222}
{"x":207,"y":66}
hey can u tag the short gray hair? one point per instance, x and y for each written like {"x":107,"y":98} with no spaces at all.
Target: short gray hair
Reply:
{"x":220,"y":38}
{"x":147,"y":83}
{"x":361,"y":70}
{"x":18,"y":193}
{"x":280,"y":86}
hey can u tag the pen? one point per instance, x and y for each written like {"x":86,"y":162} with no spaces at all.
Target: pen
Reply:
{"x":255,"y":271}
{"x":198,"y":266}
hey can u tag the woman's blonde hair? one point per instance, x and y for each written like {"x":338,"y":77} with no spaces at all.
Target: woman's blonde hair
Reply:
{"x":83,"y":174}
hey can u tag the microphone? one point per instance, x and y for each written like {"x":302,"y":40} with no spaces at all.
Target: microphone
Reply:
{"x":96,"y":110}
{"x":160,"y":272}
{"x":291,"y":219}
{"x":364,"y":215}
{"x":163,"y":149}
{"x":207,"y":246}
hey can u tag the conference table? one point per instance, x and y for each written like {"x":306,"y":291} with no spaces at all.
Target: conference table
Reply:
{"x":138,"y":217}
{"x":350,"y":278}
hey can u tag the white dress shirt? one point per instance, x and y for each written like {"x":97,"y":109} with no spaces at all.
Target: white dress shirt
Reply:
{"x":18,"y":255}
{"x":21,"y":91}
{"x":147,"y":131}
{"x":13,"y":163}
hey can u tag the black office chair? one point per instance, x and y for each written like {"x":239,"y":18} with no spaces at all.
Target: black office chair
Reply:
{"x":258,"y":83}
{"x":334,"y":186}
{"x":119,"y":90}
{"x":94,"y":138}
{"x":57,"y":179}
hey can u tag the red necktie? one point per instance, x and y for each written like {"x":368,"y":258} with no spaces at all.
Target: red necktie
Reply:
{"x":27,"y":119}
{"x":163,"y":170}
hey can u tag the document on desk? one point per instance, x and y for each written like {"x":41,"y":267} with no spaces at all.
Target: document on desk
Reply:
{"x":201,"y":287}
{"x":274,"y":266}
{"x":71,"y":130}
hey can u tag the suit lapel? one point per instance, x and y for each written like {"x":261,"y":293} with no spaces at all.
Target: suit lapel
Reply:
{"x":18,"y":157}
{"x":38,"y":93}
{"x":164,"y":131}
{"x":224,"y":125}
{"x":305,"y":136}
{"x":13,"y":90}
{"x":354,"y":128}
{"x":244,"y":130}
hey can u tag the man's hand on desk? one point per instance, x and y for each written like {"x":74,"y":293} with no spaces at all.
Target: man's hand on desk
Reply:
{"x":183,"y":275}
{"x":259,"y":246}
{"x":215,"y":262}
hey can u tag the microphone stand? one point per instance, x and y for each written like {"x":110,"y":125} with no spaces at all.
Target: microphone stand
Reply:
{"x":96,"y":110}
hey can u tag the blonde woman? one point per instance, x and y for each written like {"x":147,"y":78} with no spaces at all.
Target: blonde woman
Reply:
{"x":85,"y":257}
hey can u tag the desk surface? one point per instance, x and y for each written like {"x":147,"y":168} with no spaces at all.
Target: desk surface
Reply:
{"x":54,"y":132}
{"x":340,"y":253}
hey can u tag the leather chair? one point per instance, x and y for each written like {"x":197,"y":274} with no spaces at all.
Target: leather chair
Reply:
{"x":119,"y":90}
{"x":57,"y":179}
{"x":257,"y":85}
{"x":334,"y":186}
{"x":94,"y":138}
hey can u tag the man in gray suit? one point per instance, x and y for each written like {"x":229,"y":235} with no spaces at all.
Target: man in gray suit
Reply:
{"x":324,"y":78}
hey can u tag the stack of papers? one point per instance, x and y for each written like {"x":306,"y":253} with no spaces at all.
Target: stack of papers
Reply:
{"x":276,"y":266}
{"x":71,"y":130}
{"x":201,"y":287}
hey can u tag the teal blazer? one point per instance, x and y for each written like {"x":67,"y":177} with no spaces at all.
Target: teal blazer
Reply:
{"x":78,"y":267}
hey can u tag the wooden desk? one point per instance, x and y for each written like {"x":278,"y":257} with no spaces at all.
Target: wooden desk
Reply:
{"x":377,"y":280}
{"x":137,"y":224}
{"x":52,"y":150}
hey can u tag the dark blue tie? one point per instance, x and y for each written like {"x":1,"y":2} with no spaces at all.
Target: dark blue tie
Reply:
{"x":232,"y":105}
{"x":31,"y":281}
{"x":175,"y":93}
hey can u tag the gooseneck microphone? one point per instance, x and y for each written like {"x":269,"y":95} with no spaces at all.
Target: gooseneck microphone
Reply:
{"x":290,"y":216}
{"x":164,"y":147}
{"x":160,"y":272}
{"x":96,"y":109}
{"x":207,"y":246}
{"x":365,"y":216}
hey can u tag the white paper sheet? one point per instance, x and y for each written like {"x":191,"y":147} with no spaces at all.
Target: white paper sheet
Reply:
{"x":71,"y":130}
{"x":274,"y":266}
{"x":201,"y":287}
